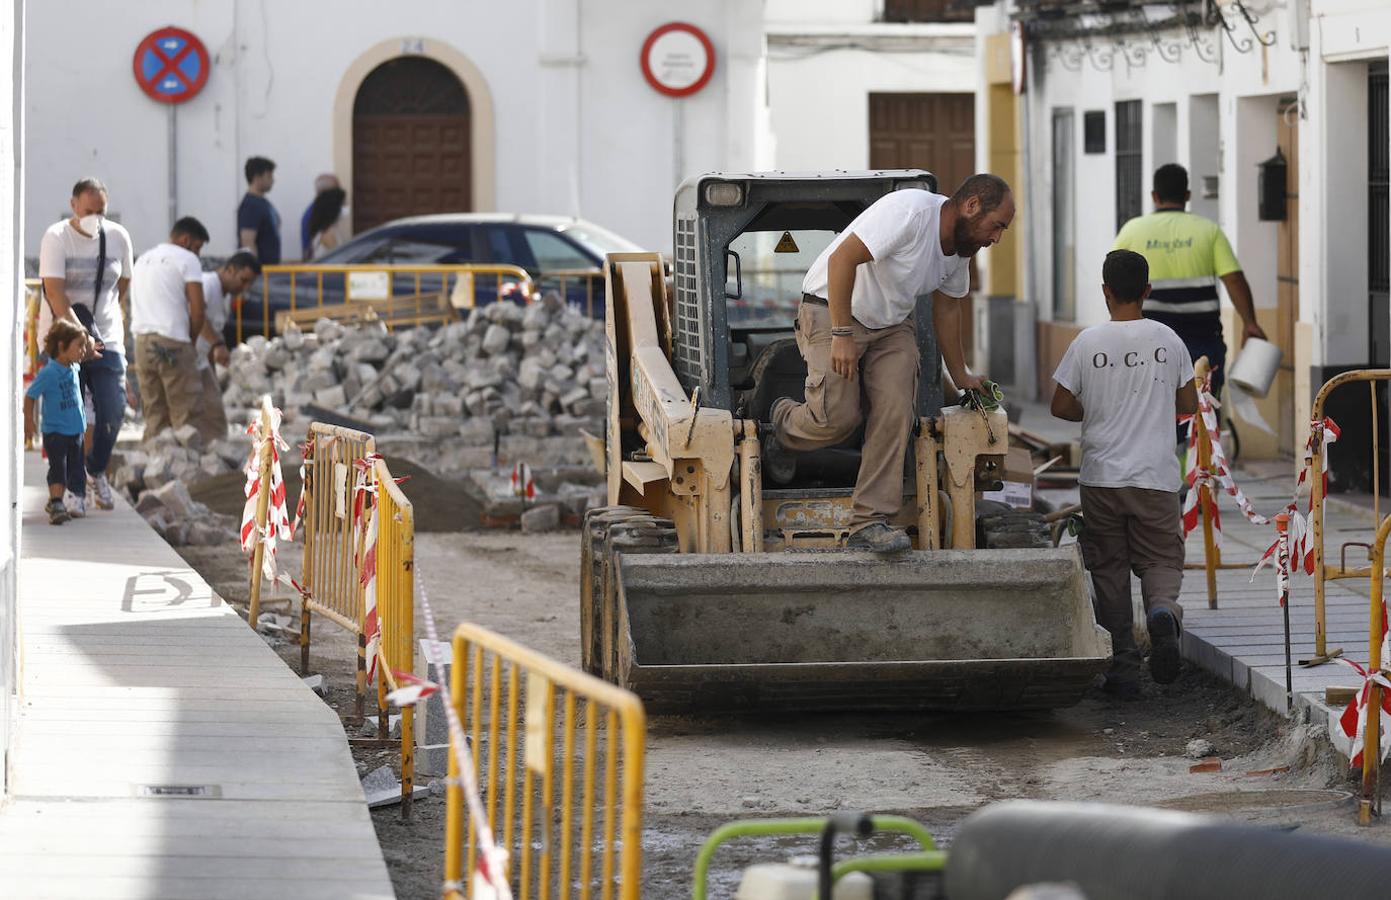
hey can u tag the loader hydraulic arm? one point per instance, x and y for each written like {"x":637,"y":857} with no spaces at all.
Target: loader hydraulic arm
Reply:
{"x":684,"y":468}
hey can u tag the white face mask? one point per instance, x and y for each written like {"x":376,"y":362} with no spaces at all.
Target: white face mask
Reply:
{"x":90,"y":224}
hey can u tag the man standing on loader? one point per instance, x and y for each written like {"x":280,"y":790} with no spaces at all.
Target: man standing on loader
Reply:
{"x":856,"y":331}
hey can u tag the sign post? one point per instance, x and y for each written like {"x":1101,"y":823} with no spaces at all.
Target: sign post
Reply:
{"x":171,"y":66}
{"x":678,"y":60}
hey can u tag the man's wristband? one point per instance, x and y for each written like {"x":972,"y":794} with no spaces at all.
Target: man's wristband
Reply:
{"x":843,"y":331}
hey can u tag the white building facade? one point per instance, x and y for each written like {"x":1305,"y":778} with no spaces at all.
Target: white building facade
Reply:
{"x":1220,"y":87}
{"x":555,"y":117}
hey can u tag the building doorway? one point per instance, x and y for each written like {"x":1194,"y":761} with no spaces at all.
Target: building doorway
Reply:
{"x":936,"y":132}
{"x":412,"y":143}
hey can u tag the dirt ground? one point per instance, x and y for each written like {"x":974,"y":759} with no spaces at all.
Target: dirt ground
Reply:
{"x":704,"y":772}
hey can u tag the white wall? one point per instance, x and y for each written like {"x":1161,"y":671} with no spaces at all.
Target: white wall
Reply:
{"x":578,"y":129}
{"x":827,"y":56}
{"x":11,"y":273}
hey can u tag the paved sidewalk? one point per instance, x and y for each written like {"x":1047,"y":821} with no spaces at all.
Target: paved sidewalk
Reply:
{"x":1243,"y":640}
{"x":135,"y":676}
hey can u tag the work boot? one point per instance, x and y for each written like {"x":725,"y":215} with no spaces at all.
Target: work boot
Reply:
{"x":1164,"y":649}
{"x":879,"y":538}
{"x":779,"y":463}
{"x":101,"y":490}
{"x":57,"y":512}
{"x":1125,"y":689}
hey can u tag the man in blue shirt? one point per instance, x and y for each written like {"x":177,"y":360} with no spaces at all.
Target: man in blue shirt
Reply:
{"x":258,"y":223}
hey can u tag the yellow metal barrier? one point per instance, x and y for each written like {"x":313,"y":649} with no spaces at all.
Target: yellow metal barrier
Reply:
{"x":331,"y":551}
{"x":1369,"y":803}
{"x":1324,"y":573}
{"x":396,"y":614}
{"x":347,"y":283}
{"x":539,"y":729}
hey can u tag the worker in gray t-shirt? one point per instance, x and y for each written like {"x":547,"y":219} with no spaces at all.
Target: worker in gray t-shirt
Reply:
{"x":1126,"y":381}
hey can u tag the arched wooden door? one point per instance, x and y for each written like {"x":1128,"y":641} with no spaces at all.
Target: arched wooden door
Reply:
{"x":412,"y":146}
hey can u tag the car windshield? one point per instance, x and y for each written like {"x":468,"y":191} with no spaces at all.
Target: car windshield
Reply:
{"x":772,"y":266}
{"x":598,"y":239}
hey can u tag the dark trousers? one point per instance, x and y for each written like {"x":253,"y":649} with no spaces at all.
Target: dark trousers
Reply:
{"x":1128,"y":530}
{"x":64,"y":452}
{"x":106,"y":379}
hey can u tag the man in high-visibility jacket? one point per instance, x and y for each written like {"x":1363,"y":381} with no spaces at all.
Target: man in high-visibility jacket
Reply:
{"x":1187,"y":255}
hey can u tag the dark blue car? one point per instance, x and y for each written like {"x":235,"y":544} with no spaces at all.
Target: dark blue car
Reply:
{"x":542,"y":246}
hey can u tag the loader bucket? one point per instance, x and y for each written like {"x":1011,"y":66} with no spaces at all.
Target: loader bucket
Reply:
{"x":943,"y":630}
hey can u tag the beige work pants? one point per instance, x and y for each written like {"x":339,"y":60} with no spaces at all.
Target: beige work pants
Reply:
{"x":882,"y":397}
{"x":1128,"y":530}
{"x":212,"y":417}
{"x":171,"y":391}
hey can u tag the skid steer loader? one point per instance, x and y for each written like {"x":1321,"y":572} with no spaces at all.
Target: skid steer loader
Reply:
{"x":705,"y":589}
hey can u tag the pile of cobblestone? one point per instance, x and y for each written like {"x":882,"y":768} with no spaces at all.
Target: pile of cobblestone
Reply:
{"x":535,"y":371}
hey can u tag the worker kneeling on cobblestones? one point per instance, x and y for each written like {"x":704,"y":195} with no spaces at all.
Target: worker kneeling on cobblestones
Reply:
{"x":1126,"y":380}
{"x":166,"y":315}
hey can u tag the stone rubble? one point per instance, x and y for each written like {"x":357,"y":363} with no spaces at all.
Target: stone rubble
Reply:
{"x":506,"y":370}
{"x":509,"y":383}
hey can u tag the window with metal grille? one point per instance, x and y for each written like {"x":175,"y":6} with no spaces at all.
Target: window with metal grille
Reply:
{"x":1379,"y":213}
{"x":1129,"y":158}
{"x":929,"y":11}
{"x":686,"y":334}
{"x":1094,"y":131}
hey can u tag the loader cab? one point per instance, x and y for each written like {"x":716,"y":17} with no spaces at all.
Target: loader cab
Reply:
{"x":743,"y":244}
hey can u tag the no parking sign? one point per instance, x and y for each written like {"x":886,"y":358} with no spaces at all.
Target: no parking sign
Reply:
{"x":171,"y":65}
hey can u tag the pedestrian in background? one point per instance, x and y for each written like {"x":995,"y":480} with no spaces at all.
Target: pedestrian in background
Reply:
{"x":324,"y":182}
{"x":166,"y":315}
{"x":85,"y":266}
{"x":258,"y":222}
{"x":234,"y":278}
{"x":1187,"y":256}
{"x":1126,"y":381}
{"x":326,"y":221}
{"x":57,"y":392}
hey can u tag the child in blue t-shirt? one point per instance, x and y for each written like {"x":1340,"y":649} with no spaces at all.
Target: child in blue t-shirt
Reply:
{"x":64,"y":419}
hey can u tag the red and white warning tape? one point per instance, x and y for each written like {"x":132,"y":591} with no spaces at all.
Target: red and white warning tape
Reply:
{"x":1216,"y":474}
{"x":365,"y":536}
{"x":1354,"y":718}
{"x":1325,"y":432}
{"x":277,"y":527}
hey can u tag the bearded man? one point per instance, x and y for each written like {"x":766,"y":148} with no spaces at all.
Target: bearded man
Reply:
{"x":856,"y":330}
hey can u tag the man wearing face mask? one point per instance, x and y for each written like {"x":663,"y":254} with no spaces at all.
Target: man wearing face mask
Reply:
{"x":85,"y":263}
{"x":166,"y":317}
{"x":856,"y":331}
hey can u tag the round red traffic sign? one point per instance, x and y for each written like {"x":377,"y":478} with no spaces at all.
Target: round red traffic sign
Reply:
{"x":678,"y":59}
{"x":171,"y":65}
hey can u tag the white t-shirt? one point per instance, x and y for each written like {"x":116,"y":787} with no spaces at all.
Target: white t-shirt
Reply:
{"x":215,"y":308}
{"x":66,"y":253}
{"x":158,"y":303}
{"x":900,"y":230}
{"x":1125,"y":375}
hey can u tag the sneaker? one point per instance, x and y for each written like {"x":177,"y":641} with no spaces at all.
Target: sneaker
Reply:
{"x":1164,"y":652}
{"x":101,"y":490}
{"x":1126,"y":689}
{"x":779,"y":463}
{"x":879,"y":538}
{"x":77,"y":505}
{"x":57,"y":512}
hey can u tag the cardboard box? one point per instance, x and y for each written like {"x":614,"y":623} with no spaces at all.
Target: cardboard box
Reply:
{"x":1018,"y":478}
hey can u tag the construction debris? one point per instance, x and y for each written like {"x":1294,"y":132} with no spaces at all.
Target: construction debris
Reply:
{"x":535,"y":371}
